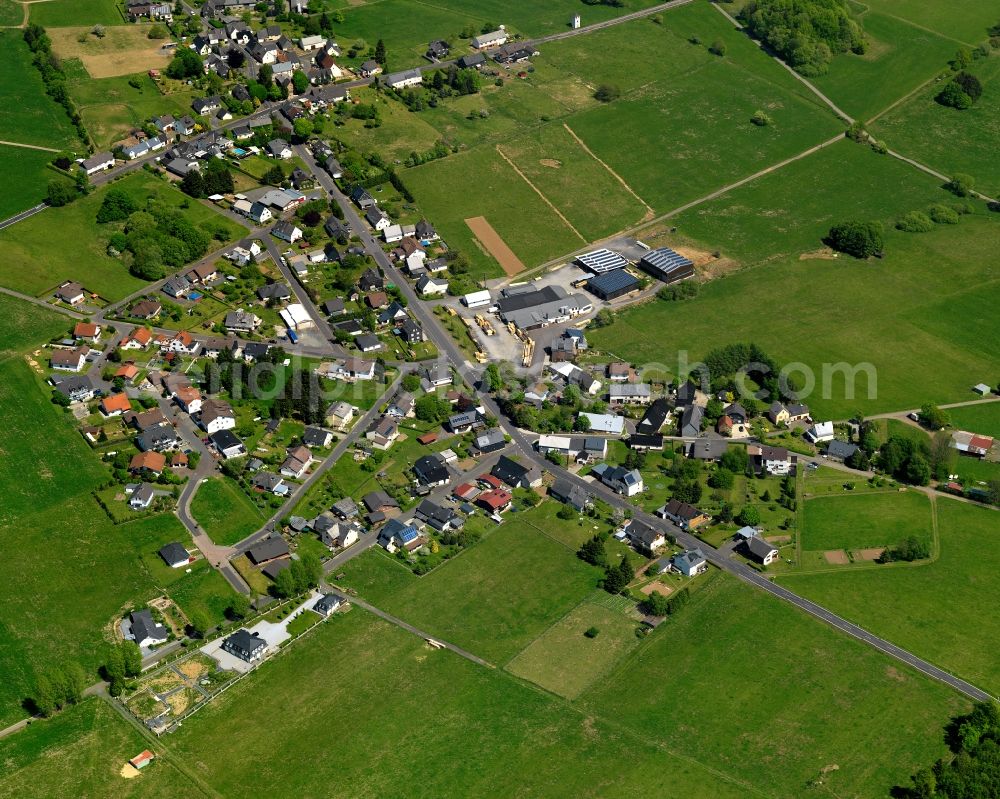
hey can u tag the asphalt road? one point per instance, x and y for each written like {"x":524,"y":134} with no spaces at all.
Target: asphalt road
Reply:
{"x":13,"y":220}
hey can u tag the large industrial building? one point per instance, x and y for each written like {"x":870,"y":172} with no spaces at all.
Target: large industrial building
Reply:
{"x":529,"y":307}
{"x":666,"y":265}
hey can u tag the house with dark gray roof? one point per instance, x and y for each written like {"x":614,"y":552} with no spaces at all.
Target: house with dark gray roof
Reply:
{"x":245,"y":645}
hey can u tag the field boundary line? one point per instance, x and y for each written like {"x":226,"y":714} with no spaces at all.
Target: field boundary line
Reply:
{"x":538,"y":191}
{"x":30,"y":146}
{"x":650,"y":213}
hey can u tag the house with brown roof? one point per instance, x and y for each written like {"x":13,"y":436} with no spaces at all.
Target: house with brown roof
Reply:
{"x":69,"y":360}
{"x":685,"y":516}
{"x":146,"y":309}
{"x":70,"y":293}
{"x":150,"y":461}
{"x":87,"y":331}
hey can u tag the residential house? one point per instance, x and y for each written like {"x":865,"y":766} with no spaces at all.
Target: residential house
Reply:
{"x":644,"y":538}
{"x":429,"y":286}
{"x":490,"y":440}
{"x":439,"y":517}
{"x":685,"y":516}
{"x":345,"y":508}
{"x":241,"y":321}
{"x":269,"y":549}
{"x":656,"y":415}
{"x":691,"y":421}
{"x":177,"y":286}
{"x":146,"y":309}
{"x":431,"y":471}
{"x":569,"y":493}
{"x":709,"y":450}
{"x":69,"y":360}
{"x":216,"y":415}
{"x":840,"y":450}
{"x":146,"y":632}
{"x":139,"y":339}
{"x":397,"y":535}
{"x":317,"y":437}
{"x":384,"y":433}
{"x":604,"y":423}
{"x":339,"y":415}
{"x":268,"y":482}
{"x":492,"y":39}
{"x":759,"y":550}
{"x":227,"y":444}
{"x":495,"y":501}
{"x":627,"y":482}
{"x":247,"y":646}
{"x":463,"y":422}
{"x":159,"y":438}
{"x":379,"y":502}
{"x":76,"y":388}
{"x":629,"y":394}
{"x":97,"y":163}
{"x":515,"y":474}
{"x":820,"y":432}
{"x":411,"y":332}
{"x":287,"y":231}
{"x":370,"y":69}
{"x":142,"y":497}
{"x":400,"y":80}
{"x":327,"y":605}
{"x":175,"y":555}
{"x":152,"y":462}
{"x":689,"y":563}
{"x":115,"y":405}
{"x":297,"y":462}
{"x":278,"y":148}
{"x":87,"y":331}
{"x":70,"y":293}
{"x":361,"y":198}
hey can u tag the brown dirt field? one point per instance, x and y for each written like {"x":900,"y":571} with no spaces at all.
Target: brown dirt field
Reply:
{"x":778,"y":539}
{"x":495,"y":245}
{"x":552,"y":163}
{"x":124,"y":50}
{"x":192,"y":669}
{"x":869,"y":554}
{"x":837,"y":557}
{"x":129,"y":771}
{"x":666,"y":590}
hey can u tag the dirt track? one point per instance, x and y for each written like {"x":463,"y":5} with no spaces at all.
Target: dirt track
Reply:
{"x":496,"y":246}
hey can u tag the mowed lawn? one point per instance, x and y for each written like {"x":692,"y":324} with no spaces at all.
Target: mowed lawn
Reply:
{"x":498,"y":595}
{"x":81,"y":753}
{"x":900,"y":57}
{"x":23,"y":325}
{"x":67,"y":13}
{"x":939,"y":611}
{"x":29,"y":171}
{"x":30,"y":116}
{"x":67,"y":244}
{"x":224,"y":510}
{"x":949,"y":140}
{"x":422,"y":722}
{"x":566,"y":661}
{"x":761,"y":691}
{"x":865,"y":521}
{"x":927,"y":302}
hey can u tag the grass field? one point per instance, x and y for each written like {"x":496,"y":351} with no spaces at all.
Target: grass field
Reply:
{"x":223,"y":509}
{"x":444,"y":192}
{"x":949,"y":140}
{"x":110,"y":107}
{"x":63,"y":13}
{"x":813,"y":698}
{"x":864,"y":521}
{"x":900,"y":57}
{"x":65,"y":243}
{"x":932,"y":610}
{"x":919,"y":314}
{"x":497,"y":596}
{"x":29,"y":171}
{"x":375,"y":575}
{"x":81,"y":753}
{"x":965,"y":20}
{"x":984,"y":419}
{"x":565,"y":661}
{"x":423,"y":722}
{"x":23,"y":325}
{"x":30,"y":116}
{"x":11,"y":13}
{"x":67,"y":570}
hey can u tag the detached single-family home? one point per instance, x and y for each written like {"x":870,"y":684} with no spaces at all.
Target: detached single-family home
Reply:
{"x":690,"y":563}
{"x":152,"y":462}
{"x":70,"y":293}
{"x":87,"y":331}
{"x":145,"y":631}
{"x":398,"y":535}
{"x":627,"y":482}
{"x":820,"y":432}
{"x":69,"y":360}
{"x":433,"y":287}
{"x":691,"y":421}
{"x":278,"y":148}
{"x":384,"y":433}
{"x":97,"y":163}
{"x":685,"y":516}
{"x":644,"y":538}
{"x":247,"y":646}
{"x":175,"y":555}
{"x":287,"y":231}
{"x":570,"y":493}
{"x":431,"y":471}
{"x":776,"y":461}
{"x":115,"y":405}
{"x":241,"y":321}
{"x":515,"y":474}
{"x":759,"y":550}
{"x":491,"y":39}
{"x":142,"y":497}
{"x":439,"y":517}
{"x":400,"y":80}
{"x":227,"y":444}
{"x":327,"y":605}
{"x":216,"y":415}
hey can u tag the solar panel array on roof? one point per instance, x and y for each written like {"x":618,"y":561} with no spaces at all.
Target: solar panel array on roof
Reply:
{"x":667,"y":265}
{"x":601,"y":261}
{"x":613,"y":284}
